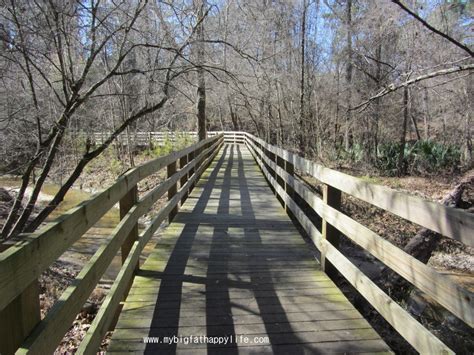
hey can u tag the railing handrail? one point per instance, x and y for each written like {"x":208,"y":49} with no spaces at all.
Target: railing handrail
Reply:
{"x":451,"y":222}
{"x":278,"y":165}
{"x":147,"y":137}
{"x":23,"y":262}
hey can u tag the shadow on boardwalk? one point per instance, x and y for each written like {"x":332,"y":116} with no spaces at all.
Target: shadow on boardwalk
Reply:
{"x":233,"y":264}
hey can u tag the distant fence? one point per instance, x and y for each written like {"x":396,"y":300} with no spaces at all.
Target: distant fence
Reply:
{"x":143,"y":139}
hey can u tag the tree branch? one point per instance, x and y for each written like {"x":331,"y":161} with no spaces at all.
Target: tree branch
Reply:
{"x":392,"y":87}
{"x":431,"y":28}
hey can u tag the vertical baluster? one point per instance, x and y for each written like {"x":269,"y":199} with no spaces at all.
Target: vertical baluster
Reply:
{"x":191,"y":171}
{"x":19,"y":318}
{"x":332,"y":197}
{"x":290,"y":169}
{"x":182,"y":163}
{"x":171,"y":170}
{"x":126,"y":203}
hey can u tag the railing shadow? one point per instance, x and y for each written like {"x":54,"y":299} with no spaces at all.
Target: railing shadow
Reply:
{"x":171,"y":285}
{"x":252,"y":234}
{"x":222,"y":268}
{"x":220,"y":262}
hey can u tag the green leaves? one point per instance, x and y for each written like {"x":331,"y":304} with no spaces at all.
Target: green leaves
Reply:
{"x":424,"y":156}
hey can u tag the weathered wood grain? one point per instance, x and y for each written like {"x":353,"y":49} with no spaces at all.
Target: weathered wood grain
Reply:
{"x":451,"y":222}
{"x":448,"y":293}
{"x":22,"y":263}
{"x":105,"y":315}
{"x":417,"y":335}
{"x":232,"y":262}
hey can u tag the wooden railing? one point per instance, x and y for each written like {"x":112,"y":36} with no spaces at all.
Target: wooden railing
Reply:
{"x":150,"y":138}
{"x":278,"y":166}
{"x":21,"y":329}
{"x":23,"y":262}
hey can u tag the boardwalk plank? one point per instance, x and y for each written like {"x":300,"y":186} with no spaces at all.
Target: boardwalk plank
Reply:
{"x":233,"y":263}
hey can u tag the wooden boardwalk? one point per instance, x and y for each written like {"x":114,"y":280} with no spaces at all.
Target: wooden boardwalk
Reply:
{"x":233,"y":264}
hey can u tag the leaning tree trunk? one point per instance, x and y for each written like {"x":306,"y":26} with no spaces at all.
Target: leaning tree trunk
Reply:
{"x":422,"y":245}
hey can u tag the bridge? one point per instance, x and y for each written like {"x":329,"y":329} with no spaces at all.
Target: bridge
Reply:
{"x":144,"y":139}
{"x":231,"y":272}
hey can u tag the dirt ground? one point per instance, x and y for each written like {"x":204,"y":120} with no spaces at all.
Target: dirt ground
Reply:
{"x":450,"y":257}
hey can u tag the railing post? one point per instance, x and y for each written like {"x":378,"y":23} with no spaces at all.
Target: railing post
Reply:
{"x":290,"y":169}
{"x":19,"y":318}
{"x":182,"y":163}
{"x":271,"y":157}
{"x":191,"y":171}
{"x":280,"y":162}
{"x":171,"y":170}
{"x":126,"y":203}
{"x":274,"y":158}
{"x":332,"y":197}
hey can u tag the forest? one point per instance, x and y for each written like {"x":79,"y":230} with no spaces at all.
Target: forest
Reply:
{"x":380,"y":89}
{"x":378,"y":84}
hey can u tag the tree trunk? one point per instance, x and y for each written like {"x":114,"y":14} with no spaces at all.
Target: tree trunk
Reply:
{"x":129,"y":148}
{"x":336,"y":119}
{"x":302,"y":82}
{"x":426,"y":115}
{"x":422,"y":245}
{"x":401,"y":166}
{"x":375,"y":127}
{"x":348,"y":132}
{"x":201,"y":90}
{"x":468,"y":159}
{"x":415,"y":127}
{"x":233,"y":116}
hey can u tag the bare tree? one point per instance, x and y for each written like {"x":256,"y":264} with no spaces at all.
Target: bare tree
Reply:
{"x":302,"y":128}
{"x":201,"y":85}
{"x":78,"y":87}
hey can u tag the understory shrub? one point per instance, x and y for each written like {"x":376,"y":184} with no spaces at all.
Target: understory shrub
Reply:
{"x":420,"y":157}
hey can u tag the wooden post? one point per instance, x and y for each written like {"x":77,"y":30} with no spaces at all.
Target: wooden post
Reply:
{"x":182,"y":163}
{"x":191,"y":171}
{"x":281,"y":163}
{"x":290,"y":169}
{"x":332,"y":197}
{"x":208,"y":154}
{"x":273,"y":158}
{"x":262,"y":150}
{"x":171,"y":170}
{"x":19,"y":318}
{"x":126,"y":203}
{"x":197,"y":152}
